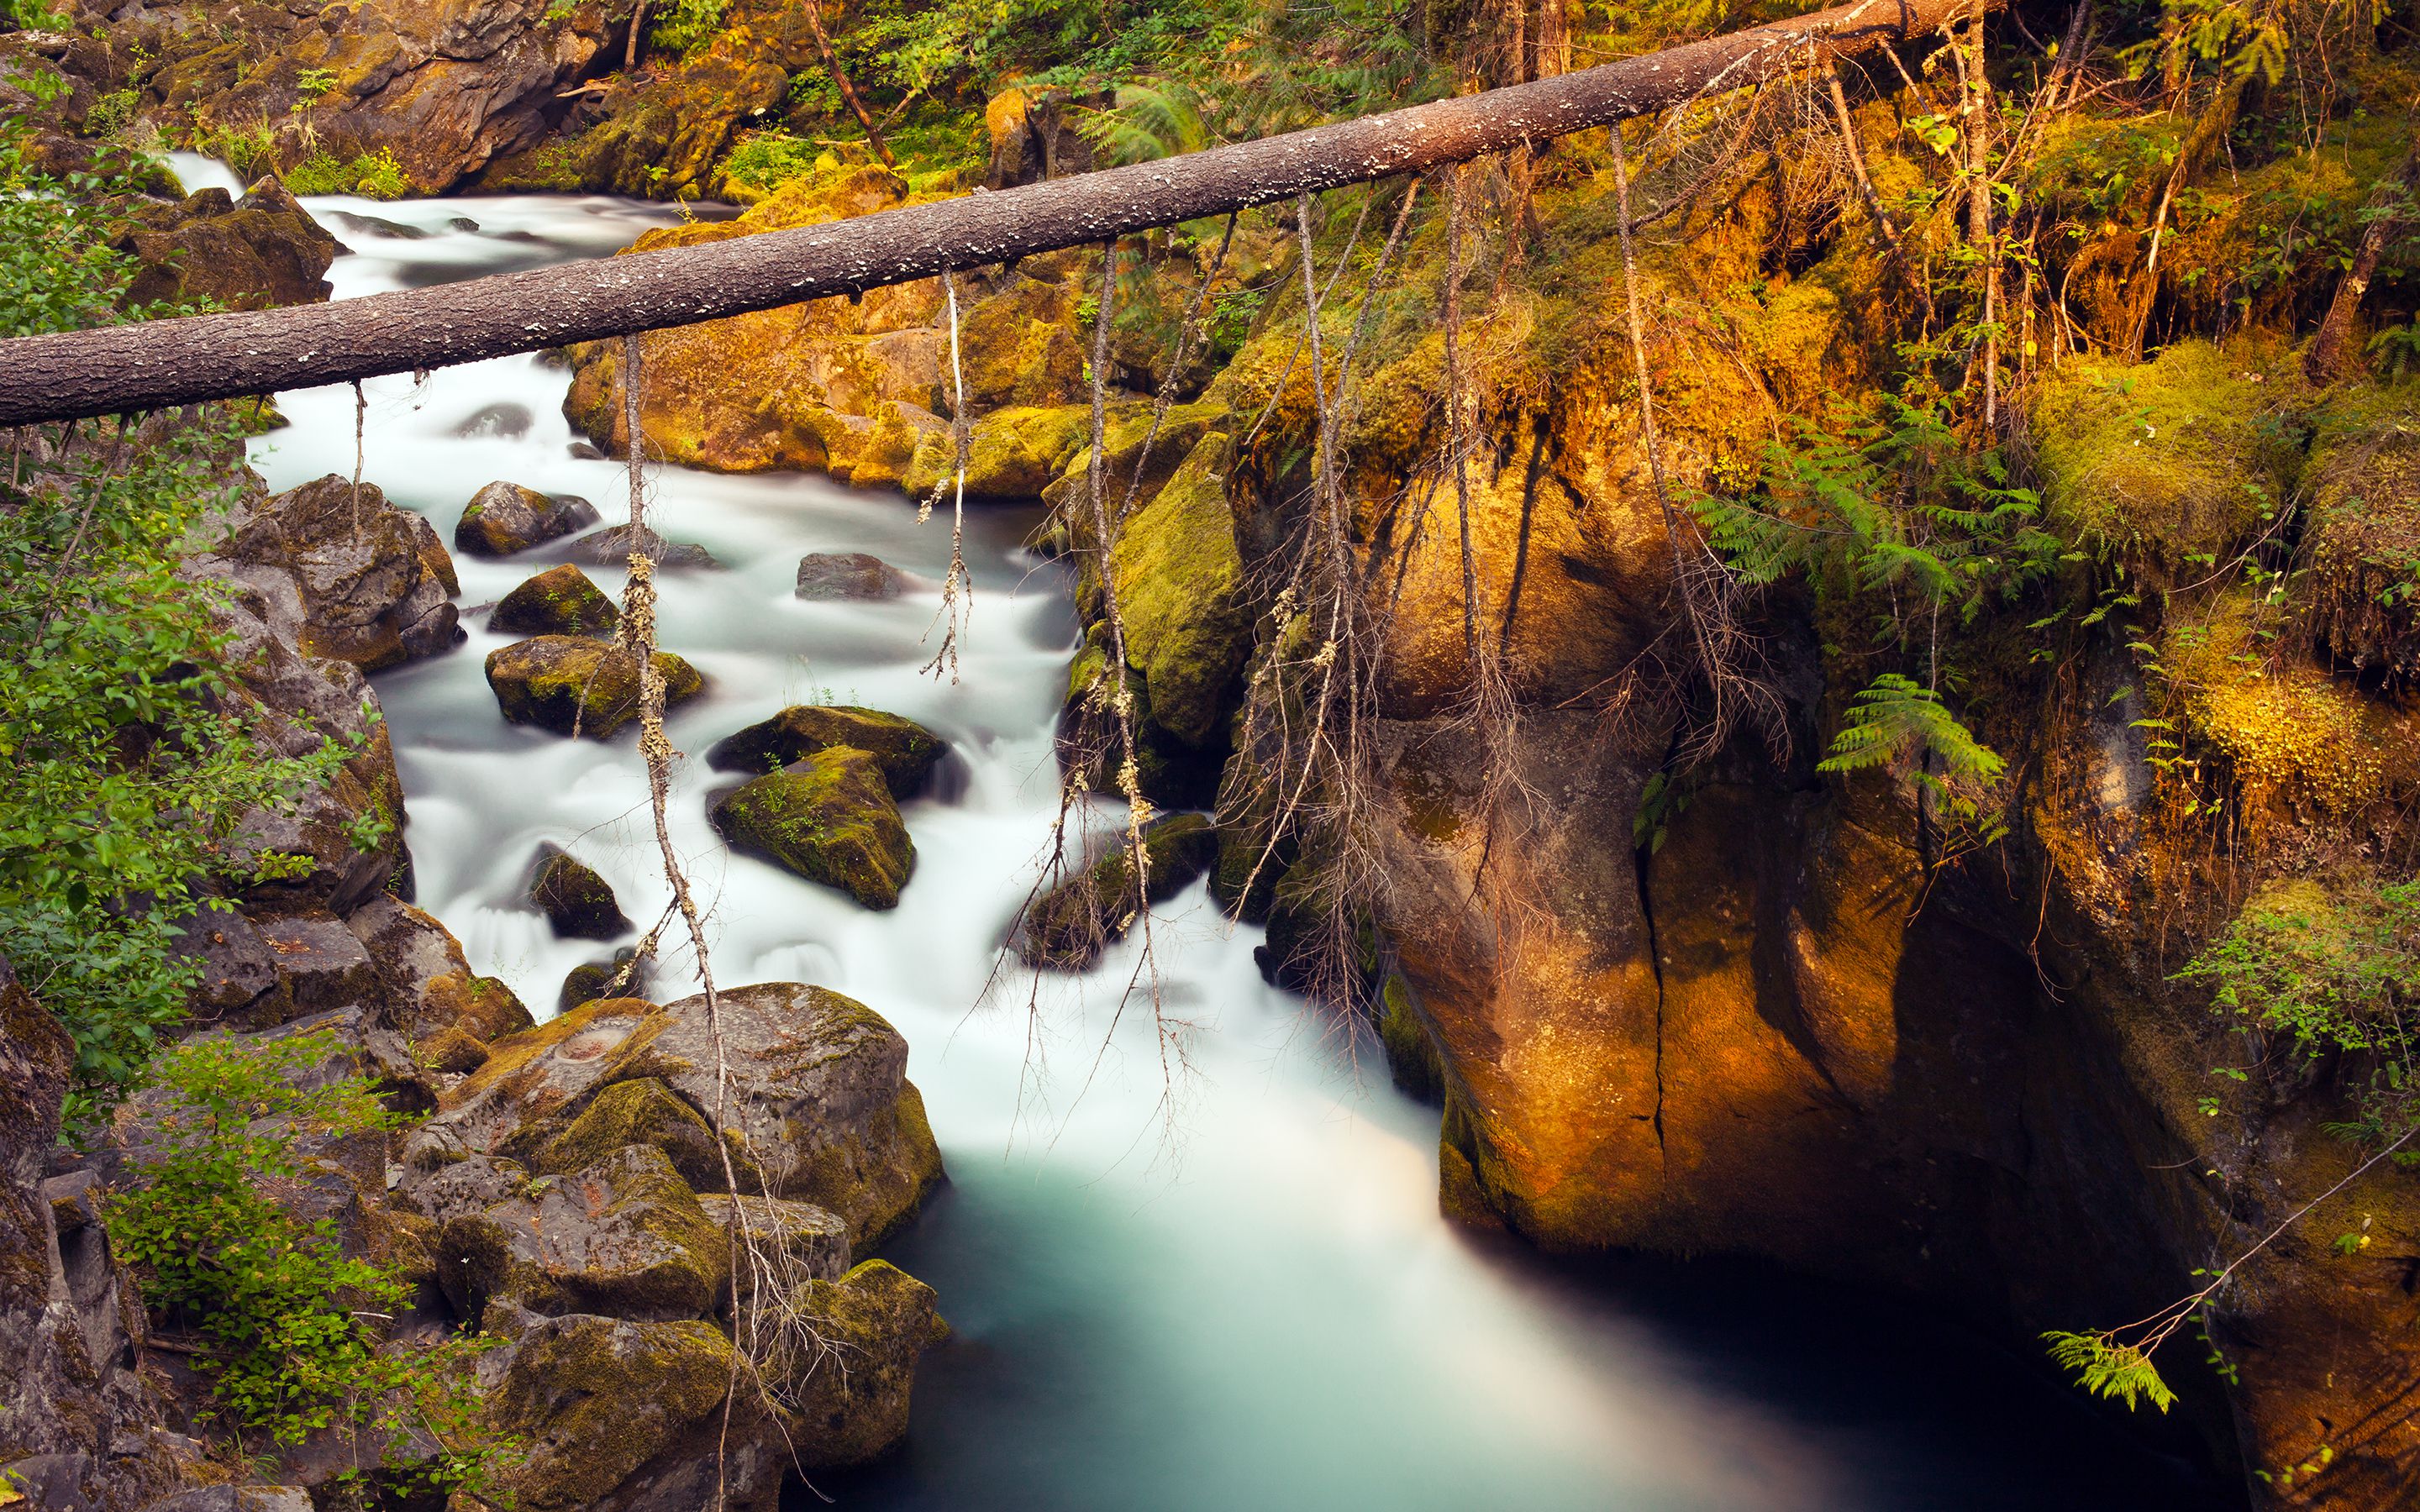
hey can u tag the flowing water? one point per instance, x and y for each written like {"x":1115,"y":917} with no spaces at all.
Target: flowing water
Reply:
{"x":1230,"y":1288}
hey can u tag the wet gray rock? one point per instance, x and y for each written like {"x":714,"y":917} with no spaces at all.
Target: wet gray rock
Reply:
{"x":612,"y":545}
{"x":577,"y":901}
{"x":818,"y":1098}
{"x":504,"y":518}
{"x":624,"y":1237}
{"x":847,"y":575}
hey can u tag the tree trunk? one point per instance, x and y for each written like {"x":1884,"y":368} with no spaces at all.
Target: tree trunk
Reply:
{"x":847,"y":91}
{"x":2390,"y":209}
{"x":155,"y":364}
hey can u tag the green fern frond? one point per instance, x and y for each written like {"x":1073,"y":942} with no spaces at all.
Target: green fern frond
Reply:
{"x":2106,"y":1368}
{"x":1896,"y":717}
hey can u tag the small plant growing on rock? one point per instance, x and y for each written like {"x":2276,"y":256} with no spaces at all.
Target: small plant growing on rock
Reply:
{"x":291,"y":1321}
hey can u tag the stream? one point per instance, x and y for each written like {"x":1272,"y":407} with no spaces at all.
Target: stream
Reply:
{"x":1230,"y":1288}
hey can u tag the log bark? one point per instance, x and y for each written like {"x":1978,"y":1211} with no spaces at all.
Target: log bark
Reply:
{"x":155,"y":364}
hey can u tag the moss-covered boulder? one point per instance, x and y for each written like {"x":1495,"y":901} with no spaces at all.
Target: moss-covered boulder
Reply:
{"x":251,"y":254}
{"x":575,"y":900}
{"x":906,"y":750}
{"x":847,"y":575}
{"x":622,"y":1237}
{"x":577,"y":686}
{"x":1180,"y":586}
{"x":830,"y":818}
{"x":505,"y":518}
{"x":801,"y":1239}
{"x":2168,"y":462}
{"x":558,"y":601}
{"x":1068,"y":927}
{"x":642,"y":1112}
{"x":612,"y":1415}
{"x":431,"y":986}
{"x":453,"y":1050}
{"x":851,"y":1400}
{"x":1172,"y":773}
{"x":376,"y":583}
{"x":818,"y":1098}
{"x":1013,"y":453}
{"x":623,"y":975}
{"x":613,"y":546}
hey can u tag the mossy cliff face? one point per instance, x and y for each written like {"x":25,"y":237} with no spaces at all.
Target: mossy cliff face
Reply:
{"x":1752,"y":1014}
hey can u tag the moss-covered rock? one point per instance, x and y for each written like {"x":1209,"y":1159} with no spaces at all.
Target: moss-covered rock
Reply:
{"x":1068,"y":927}
{"x":851,"y":1400}
{"x":2172,"y":461}
{"x":1171,"y":772}
{"x":1013,"y":453}
{"x":577,"y":686}
{"x":906,"y":750}
{"x":452,"y":1050}
{"x":641,"y":1112}
{"x":1180,"y":578}
{"x":558,"y":601}
{"x":620,"y":1416}
{"x":796,"y":1240}
{"x":431,"y":984}
{"x":817,"y":1097}
{"x":504,"y":518}
{"x":575,"y":900}
{"x":830,"y":818}
{"x":624,"y":1237}
{"x":376,"y":582}
{"x":624,"y":974}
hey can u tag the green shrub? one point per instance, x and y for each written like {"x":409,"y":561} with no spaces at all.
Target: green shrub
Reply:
{"x":287,"y":1311}
{"x":374,"y":176}
{"x":126,"y":760}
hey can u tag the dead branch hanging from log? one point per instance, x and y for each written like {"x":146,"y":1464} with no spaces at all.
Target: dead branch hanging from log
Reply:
{"x":155,"y":364}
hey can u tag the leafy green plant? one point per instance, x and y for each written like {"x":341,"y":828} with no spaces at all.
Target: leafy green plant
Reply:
{"x":311,"y":87}
{"x":2334,"y":973}
{"x":129,"y":759}
{"x":684,"y":27}
{"x":290,"y":1317}
{"x":375,"y":176}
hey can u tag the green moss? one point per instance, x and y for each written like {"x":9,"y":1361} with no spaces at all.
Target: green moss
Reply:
{"x":830,"y":818}
{"x":906,"y":750}
{"x":2363,"y":589}
{"x":1011,"y":454}
{"x":2171,"y":462}
{"x":1180,"y":578}
{"x":1411,"y":1055}
{"x":575,"y":685}
{"x":644,"y":1111}
{"x":594,"y":1398}
{"x":1068,"y":927}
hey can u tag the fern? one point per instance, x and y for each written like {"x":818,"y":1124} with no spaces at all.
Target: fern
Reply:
{"x":1895,"y":718}
{"x":2107,"y":1369}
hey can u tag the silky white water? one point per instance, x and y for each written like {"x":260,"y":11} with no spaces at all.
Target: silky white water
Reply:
{"x":1228,"y":1288}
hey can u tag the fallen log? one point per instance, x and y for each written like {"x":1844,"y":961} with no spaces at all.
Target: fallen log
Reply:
{"x":155,"y":364}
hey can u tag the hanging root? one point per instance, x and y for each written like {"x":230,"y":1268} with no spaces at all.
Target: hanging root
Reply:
{"x":768,"y":1334}
{"x":958,"y":588}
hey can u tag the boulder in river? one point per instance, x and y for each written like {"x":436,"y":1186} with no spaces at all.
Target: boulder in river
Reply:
{"x":505,"y":517}
{"x":844,"y":575}
{"x":906,"y":750}
{"x":1068,"y":927}
{"x":251,"y":254}
{"x":577,"y":685}
{"x":817,"y":1102}
{"x":612,"y":545}
{"x":575,"y":900}
{"x":593,"y":979}
{"x":830,"y":818}
{"x":376,"y":583}
{"x":851,"y":1398}
{"x":621,"y":1416}
{"x":558,"y":601}
{"x":624,"y":1237}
